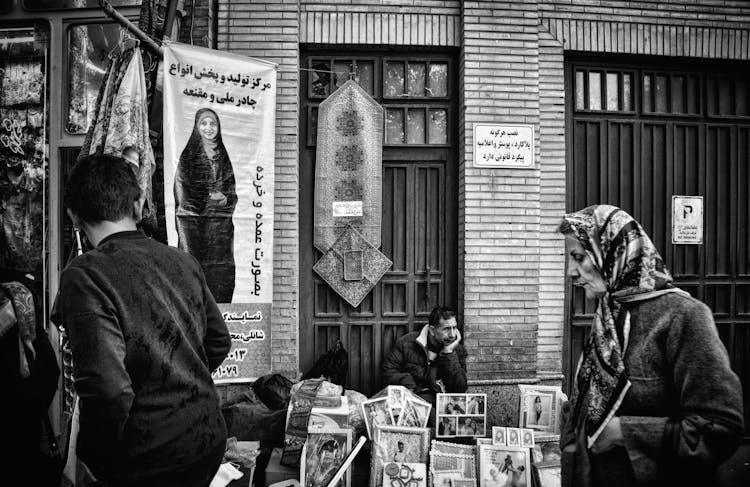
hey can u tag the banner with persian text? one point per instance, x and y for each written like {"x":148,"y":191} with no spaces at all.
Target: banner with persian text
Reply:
{"x":219,"y":134}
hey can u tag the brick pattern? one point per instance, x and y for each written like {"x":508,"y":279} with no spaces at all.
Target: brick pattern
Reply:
{"x":270,"y":30}
{"x":387,"y":28}
{"x":198,"y":23}
{"x":499,"y":208}
{"x":552,"y":206}
{"x":641,"y":38}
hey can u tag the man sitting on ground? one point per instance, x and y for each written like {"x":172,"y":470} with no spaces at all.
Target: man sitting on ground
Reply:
{"x":429,"y":361}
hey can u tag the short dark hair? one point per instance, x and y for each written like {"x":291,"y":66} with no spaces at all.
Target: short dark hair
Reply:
{"x":440,"y":313}
{"x":101,"y":187}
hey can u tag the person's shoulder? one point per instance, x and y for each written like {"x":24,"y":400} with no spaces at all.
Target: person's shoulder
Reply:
{"x":680,"y":303}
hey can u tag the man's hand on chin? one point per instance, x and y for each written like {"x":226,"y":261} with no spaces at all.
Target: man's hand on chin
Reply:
{"x":452,"y":346}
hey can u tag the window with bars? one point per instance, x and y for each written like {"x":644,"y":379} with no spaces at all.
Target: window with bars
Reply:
{"x":415,"y":93}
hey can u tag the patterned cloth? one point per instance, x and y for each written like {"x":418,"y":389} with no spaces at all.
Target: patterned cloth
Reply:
{"x":23,"y":309}
{"x":120,"y":126}
{"x":633,"y":270}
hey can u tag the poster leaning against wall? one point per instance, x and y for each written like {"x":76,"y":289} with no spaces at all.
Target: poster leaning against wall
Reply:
{"x":219,"y":133}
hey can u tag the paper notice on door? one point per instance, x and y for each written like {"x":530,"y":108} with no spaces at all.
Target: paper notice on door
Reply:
{"x":347,"y":208}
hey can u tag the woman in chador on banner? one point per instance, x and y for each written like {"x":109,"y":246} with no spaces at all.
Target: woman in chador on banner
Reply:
{"x":205,"y":196}
{"x":655,"y":401}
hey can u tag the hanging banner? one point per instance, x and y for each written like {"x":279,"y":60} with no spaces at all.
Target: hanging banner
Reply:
{"x":219,"y":133}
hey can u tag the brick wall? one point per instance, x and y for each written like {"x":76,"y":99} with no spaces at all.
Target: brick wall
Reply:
{"x":500,"y":207}
{"x":198,"y":23}
{"x":270,"y":30}
{"x":510,"y":71}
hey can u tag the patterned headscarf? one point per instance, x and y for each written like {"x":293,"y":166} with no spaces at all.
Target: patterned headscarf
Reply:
{"x":633,"y":271}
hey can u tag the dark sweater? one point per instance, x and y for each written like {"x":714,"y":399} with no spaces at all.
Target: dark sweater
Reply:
{"x":412,"y":365}
{"x":683,"y":413}
{"x":145,"y":334}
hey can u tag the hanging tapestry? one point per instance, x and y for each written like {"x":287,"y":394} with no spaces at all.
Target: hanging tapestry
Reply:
{"x":219,"y":141}
{"x":120,"y":125}
{"x":352,"y":266}
{"x":348,"y":170}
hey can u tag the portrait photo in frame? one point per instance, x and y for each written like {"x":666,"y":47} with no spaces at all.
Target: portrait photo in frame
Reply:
{"x":527,"y":437}
{"x":376,"y":412}
{"x":322,"y":455}
{"x":513,"y":437}
{"x":540,"y":407}
{"x":499,"y":435}
{"x":396,"y":444}
{"x":504,"y":465}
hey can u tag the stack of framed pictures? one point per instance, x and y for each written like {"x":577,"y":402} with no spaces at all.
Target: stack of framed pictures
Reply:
{"x":504,"y":465}
{"x":461,"y":415}
{"x":540,"y":408}
{"x":395,"y":406}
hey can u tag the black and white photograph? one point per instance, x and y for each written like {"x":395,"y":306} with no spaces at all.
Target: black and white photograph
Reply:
{"x":324,"y":452}
{"x":396,"y":444}
{"x":499,"y":434}
{"x":451,"y":404}
{"x":513,"y":437}
{"x":446,"y":478}
{"x":376,"y":412}
{"x":509,"y":223}
{"x":527,"y":437}
{"x":501,"y":466}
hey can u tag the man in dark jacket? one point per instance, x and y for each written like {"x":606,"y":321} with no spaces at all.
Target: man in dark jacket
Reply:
{"x":145,"y":334}
{"x":429,"y":361}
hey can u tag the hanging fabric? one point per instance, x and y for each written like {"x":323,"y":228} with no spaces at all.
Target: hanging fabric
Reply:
{"x":348,"y":193}
{"x":120,"y":126}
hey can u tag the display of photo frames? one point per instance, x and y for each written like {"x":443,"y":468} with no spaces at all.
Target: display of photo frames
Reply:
{"x":539,"y":407}
{"x":376,"y":412}
{"x":520,"y":436}
{"x":395,"y":444}
{"x":504,"y":465}
{"x":395,"y":406}
{"x":461,"y":415}
{"x":322,"y":455}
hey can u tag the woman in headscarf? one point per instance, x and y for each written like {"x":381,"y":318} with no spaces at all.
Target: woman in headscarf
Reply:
{"x":205,"y":195}
{"x":655,"y":401}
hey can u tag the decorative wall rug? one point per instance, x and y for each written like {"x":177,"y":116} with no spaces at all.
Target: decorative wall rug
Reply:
{"x":348,"y":172}
{"x":352,"y":266}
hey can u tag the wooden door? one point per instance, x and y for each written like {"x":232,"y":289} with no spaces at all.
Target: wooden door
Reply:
{"x":638,"y":134}
{"x":419,"y":227}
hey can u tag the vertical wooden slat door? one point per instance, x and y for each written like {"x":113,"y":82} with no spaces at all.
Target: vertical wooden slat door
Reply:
{"x":418,"y":224}
{"x":652,"y":131}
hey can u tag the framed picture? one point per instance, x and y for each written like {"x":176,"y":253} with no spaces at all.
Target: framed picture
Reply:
{"x":452,"y":448}
{"x":451,"y":404}
{"x":445,"y":478}
{"x":440,"y":462}
{"x":376,"y":412}
{"x":324,"y":452}
{"x":499,"y":435}
{"x":414,"y":414}
{"x":453,"y":416}
{"x":539,"y":407}
{"x":447,"y":426}
{"x":405,"y":475}
{"x":475,"y":403}
{"x":504,"y":465}
{"x":513,"y":437}
{"x":548,"y":473}
{"x":465,"y":483}
{"x":396,"y":444}
{"x":527,"y":437}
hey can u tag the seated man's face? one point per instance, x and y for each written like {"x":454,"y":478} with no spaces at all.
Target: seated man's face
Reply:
{"x":445,"y":331}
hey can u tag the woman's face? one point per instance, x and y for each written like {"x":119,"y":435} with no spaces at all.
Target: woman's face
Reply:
{"x":582,"y":270}
{"x":208,"y":127}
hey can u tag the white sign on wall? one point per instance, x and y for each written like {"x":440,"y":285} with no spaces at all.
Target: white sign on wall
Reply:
{"x":508,"y":146}
{"x":687,"y":219}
